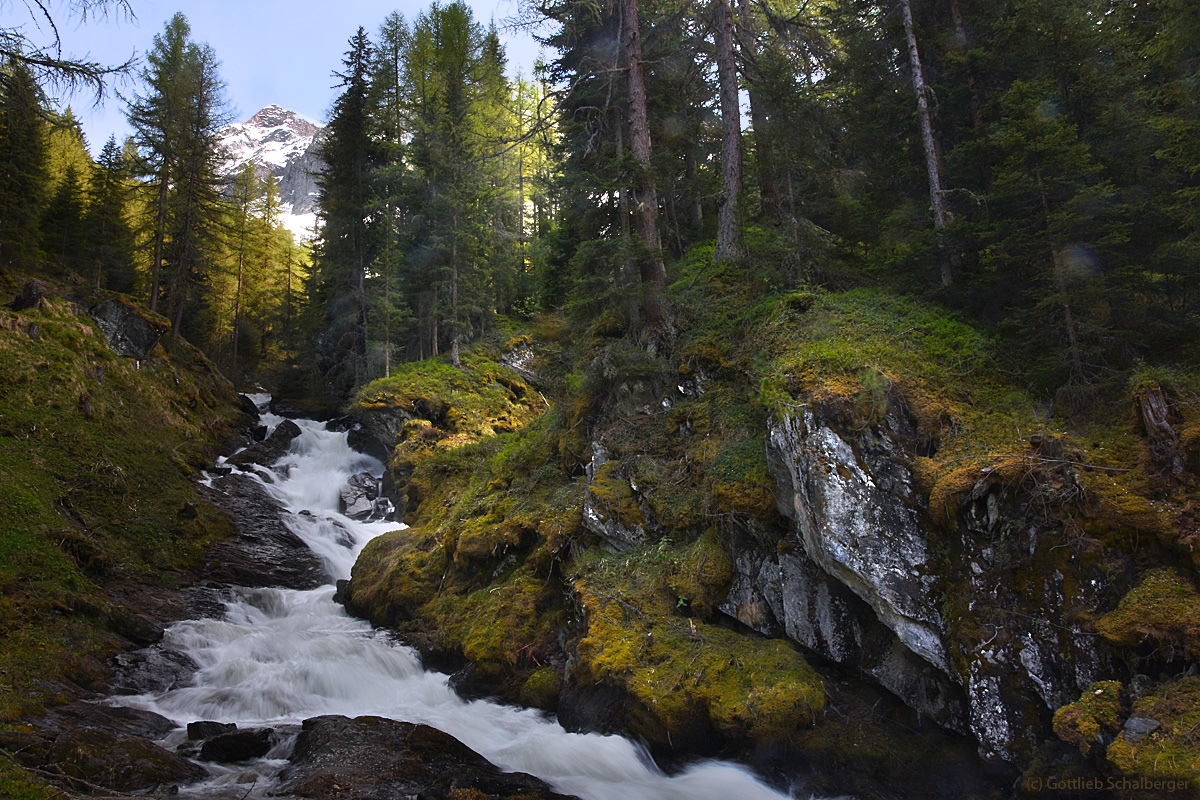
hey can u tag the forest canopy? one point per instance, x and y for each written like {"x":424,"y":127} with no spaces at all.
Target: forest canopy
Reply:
{"x":1031,"y":165}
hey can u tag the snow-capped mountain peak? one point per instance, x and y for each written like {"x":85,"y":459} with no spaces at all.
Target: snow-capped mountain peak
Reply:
{"x":285,"y":144}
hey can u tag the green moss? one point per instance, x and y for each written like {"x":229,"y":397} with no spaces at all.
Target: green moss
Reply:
{"x":700,"y":578}
{"x":738,"y":479}
{"x":683,"y":672}
{"x":501,"y":628}
{"x":1164,"y":607}
{"x":1172,"y":752}
{"x":479,"y":399}
{"x":615,"y":497}
{"x":97,"y":454}
{"x":1098,"y":710}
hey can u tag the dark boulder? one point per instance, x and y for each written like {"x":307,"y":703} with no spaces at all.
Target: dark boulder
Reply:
{"x":371,"y":758}
{"x":248,"y":407}
{"x":152,"y":669}
{"x":265,"y":552}
{"x":33,"y":295}
{"x":237,"y":745}
{"x":118,"y":763}
{"x":271,"y":449}
{"x":204,"y":729}
{"x":88,"y":745}
{"x":130,"y":331}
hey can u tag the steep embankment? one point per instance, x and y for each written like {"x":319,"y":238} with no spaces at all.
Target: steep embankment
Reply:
{"x":101,"y":429}
{"x":802,"y":500}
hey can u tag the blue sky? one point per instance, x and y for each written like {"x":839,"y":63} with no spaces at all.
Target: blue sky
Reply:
{"x":270,"y":51}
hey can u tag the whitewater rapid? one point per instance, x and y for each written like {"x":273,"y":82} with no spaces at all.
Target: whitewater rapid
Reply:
{"x":281,"y":656}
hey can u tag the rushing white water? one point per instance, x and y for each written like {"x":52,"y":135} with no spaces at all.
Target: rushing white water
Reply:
{"x":281,"y":656}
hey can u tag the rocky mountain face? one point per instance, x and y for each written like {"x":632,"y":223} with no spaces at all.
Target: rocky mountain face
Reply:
{"x":282,"y":143}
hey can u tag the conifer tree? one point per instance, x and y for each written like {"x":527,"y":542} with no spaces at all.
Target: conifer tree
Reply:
{"x":111,"y":243}
{"x":23,"y":176}
{"x":346,"y":247}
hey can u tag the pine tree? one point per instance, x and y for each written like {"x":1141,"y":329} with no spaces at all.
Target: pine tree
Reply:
{"x":23,"y":176}
{"x":346,"y":247}
{"x":111,"y":243}
{"x":64,"y":236}
{"x":176,"y":124}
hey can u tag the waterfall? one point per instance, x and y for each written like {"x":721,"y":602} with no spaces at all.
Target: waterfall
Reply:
{"x":280,"y":656}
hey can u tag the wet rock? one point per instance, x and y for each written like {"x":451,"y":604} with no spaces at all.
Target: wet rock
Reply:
{"x":92,"y":745}
{"x":258,"y":433}
{"x":129,"y":331}
{"x":114,"y":719}
{"x":238,"y":745}
{"x":152,"y":669}
{"x":265,"y":552}
{"x":136,"y":627}
{"x":118,"y":763}
{"x":361,"y":439}
{"x":248,"y":408}
{"x":204,"y":729}
{"x":1138,"y":728}
{"x":271,"y":449}
{"x":371,"y":758}
{"x":357,"y":499}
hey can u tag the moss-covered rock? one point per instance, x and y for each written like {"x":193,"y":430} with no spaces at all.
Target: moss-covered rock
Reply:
{"x":1163,"y":607}
{"x":1169,"y":753}
{"x":1098,"y":710}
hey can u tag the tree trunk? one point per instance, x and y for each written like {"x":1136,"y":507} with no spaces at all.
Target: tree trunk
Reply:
{"x":645,"y":197}
{"x":454,"y":326}
{"x":960,"y":36}
{"x":1060,"y":285}
{"x":764,"y":148}
{"x":932,"y":164}
{"x":729,"y":239}
{"x":237,"y":311}
{"x":159,"y":241}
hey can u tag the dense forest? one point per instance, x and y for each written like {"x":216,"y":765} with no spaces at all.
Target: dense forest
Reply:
{"x":1031,"y":165}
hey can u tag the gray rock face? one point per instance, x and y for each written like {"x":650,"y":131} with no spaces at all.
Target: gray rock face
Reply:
{"x":857,"y":579}
{"x":788,"y":594}
{"x":357,"y":498}
{"x":857,"y":516}
{"x":130,"y":332}
{"x":1138,"y":728}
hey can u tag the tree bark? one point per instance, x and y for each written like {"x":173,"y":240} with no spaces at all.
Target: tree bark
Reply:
{"x":159,"y":241}
{"x":645,"y":196}
{"x":764,"y":148}
{"x":1060,"y":284}
{"x":960,"y":36}
{"x":729,"y":238}
{"x":454,"y":329}
{"x":932,"y":165}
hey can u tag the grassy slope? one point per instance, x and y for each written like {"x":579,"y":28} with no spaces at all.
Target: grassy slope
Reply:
{"x":96,"y":458}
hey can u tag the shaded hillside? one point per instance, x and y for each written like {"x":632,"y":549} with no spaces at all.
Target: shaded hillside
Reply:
{"x":98,"y":452}
{"x":701,"y":547}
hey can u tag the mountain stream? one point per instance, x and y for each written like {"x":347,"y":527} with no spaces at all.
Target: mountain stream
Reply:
{"x":280,"y":656}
